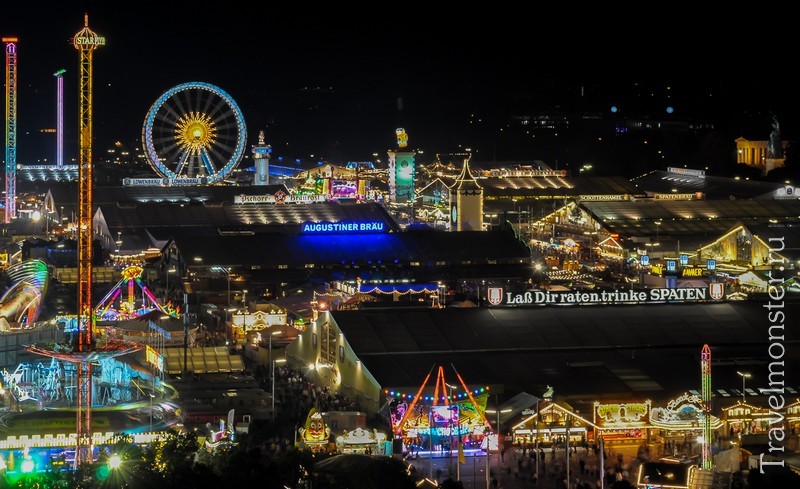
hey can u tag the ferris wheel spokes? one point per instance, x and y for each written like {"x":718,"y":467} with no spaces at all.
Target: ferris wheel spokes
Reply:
{"x":194,"y":130}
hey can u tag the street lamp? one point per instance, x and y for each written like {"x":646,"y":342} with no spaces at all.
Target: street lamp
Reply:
{"x":744,"y":376}
{"x":152,"y":396}
{"x":228,"y":321}
{"x":170,"y":270}
{"x":114,"y":462}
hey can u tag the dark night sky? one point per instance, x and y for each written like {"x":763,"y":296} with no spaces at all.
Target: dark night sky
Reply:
{"x":444,"y":68}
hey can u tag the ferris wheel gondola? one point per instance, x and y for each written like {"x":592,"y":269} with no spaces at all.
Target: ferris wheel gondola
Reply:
{"x":194,"y":131}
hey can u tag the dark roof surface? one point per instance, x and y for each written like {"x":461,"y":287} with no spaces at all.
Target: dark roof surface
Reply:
{"x":617,"y":351}
{"x":209,"y":218}
{"x":663,"y":182}
{"x":402,"y":247}
{"x":697,"y":221}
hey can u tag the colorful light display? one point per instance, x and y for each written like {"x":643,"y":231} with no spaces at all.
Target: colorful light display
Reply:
{"x":402,"y":137}
{"x":11,"y":128}
{"x":128,"y":307}
{"x":705,"y":358}
{"x":22,"y":301}
{"x":59,"y":117}
{"x":314,"y":434}
{"x":194,"y":130}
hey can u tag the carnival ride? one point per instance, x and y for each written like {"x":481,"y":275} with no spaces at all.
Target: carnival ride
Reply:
{"x":429,"y":421}
{"x":194,"y":130}
{"x":11,"y":128}
{"x":22,"y":301}
{"x":115,"y":306}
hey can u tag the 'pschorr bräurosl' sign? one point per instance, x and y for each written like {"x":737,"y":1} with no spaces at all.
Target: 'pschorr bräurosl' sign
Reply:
{"x":497,"y":296}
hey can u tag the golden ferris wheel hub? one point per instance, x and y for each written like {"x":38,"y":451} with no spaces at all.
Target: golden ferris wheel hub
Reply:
{"x":195,"y":131}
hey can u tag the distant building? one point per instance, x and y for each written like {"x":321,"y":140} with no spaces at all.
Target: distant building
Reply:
{"x":755,"y":154}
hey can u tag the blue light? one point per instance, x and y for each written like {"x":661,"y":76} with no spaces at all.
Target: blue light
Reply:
{"x":670,"y":110}
{"x":614,"y":109}
{"x":319,"y":163}
{"x":297,"y":161}
{"x":684,"y":260}
{"x":343,"y":227}
{"x":671,"y":266}
{"x":645,"y":260}
{"x":712,"y":264}
{"x":280,"y":158}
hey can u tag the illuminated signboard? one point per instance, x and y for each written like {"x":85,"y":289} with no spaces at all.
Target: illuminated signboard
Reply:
{"x":671,"y":267}
{"x":278,"y":198}
{"x":543,"y":297}
{"x":344,"y":188}
{"x":684,"y":260}
{"x":687,"y":171}
{"x":692,"y":272}
{"x":156,"y":182}
{"x":90,"y":41}
{"x":694,"y":196}
{"x":712,"y":265}
{"x":153,"y":358}
{"x":657,"y":270}
{"x":645,"y":260}
{"x":344,"y":227}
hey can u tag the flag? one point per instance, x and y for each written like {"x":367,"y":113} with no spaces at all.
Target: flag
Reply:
{"x":230,"y":419}
{"x":461,"y":458}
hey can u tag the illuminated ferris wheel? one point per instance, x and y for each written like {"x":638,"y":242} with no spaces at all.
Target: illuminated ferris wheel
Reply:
{"x":194,"y":130}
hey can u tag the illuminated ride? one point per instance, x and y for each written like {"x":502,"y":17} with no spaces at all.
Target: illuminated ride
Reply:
{"x":194,"y":130}
{"x":116,"y":306}
{"x":453,"y":417}
{"x":22,"y":301}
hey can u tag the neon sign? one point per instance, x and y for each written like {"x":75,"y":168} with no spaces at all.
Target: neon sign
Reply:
{"x":153,"y":358}
{"x":542,"y":297}
{"x":344,"y":227}
{"x":692,"y":272}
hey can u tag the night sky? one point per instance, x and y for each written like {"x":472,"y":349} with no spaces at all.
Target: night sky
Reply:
{"x":332,"y":83}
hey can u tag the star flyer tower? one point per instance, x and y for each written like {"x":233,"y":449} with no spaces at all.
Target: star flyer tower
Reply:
{"x":705,"y":358}
{"x":11,"y":128}
{"x":82,"y":350}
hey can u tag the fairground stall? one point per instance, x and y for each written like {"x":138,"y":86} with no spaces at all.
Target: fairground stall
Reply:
{"x":552,"y":424}
{"x":363,"y":441}
{"x":680,"y":421}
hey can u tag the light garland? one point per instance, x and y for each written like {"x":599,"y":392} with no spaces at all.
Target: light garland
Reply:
{"x":463,"y":395}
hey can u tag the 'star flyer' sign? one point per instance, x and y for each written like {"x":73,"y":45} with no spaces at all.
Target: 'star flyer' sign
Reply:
{"x":496,"y":296}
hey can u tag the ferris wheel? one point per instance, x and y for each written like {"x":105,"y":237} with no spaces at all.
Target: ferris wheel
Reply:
{"x":194,"y":130}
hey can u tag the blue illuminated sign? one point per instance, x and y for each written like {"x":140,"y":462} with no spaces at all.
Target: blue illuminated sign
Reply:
{"x":712,"y":265}
{"x":684,"y":260}
{"x":671,"y":266}
{"x":645,"y":260}
{"x":344,"y":227}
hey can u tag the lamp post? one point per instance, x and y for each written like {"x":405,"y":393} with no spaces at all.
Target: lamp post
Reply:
{"x":272,"y":372}
{"x":228,"y":326}
{"x":152,"y":396}
{"x":744,"y":376}
{"x":169,"y":270}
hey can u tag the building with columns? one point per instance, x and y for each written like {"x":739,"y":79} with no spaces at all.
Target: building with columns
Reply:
{"x":755,"y":154}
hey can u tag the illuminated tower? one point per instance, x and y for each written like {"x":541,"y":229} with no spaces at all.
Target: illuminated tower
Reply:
{"x":401,"y":171}
{"x":705,"y":358}
{"x":11,"y":128}
{"x":85,"y":41}
{"x":261,"y":158}
{"x":59,"y":117}
{"x":466,"y":202}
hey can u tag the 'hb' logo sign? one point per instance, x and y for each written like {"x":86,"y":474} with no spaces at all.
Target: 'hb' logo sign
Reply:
{"x":494,"y":295}
{"x":716,"y":290}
